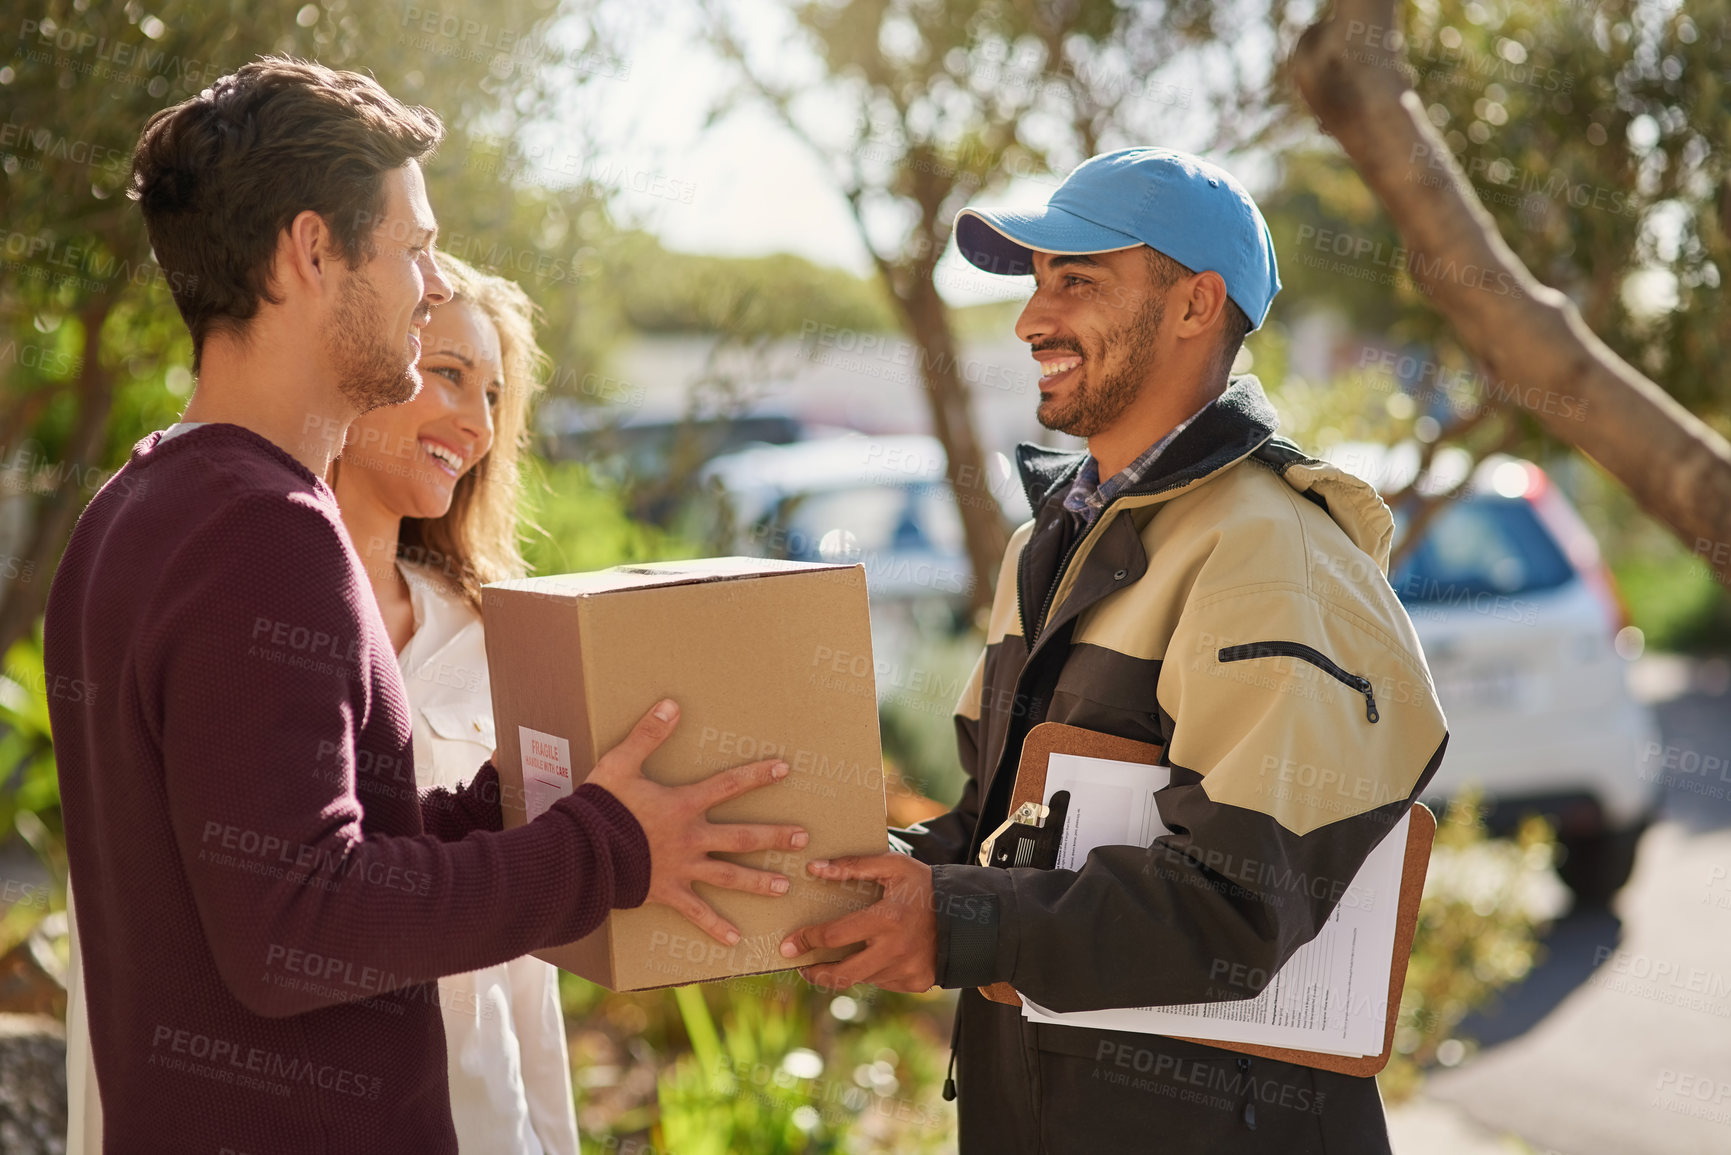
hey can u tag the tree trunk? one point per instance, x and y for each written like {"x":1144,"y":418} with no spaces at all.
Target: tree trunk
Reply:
{"x":1350,"y":68}
{"x":56,"y":513}
{"x":928,"y":322}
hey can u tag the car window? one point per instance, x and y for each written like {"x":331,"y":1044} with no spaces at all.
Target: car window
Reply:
{"x":1477,"y":545}
{"x":873,"y":518}
{"x":940,"y":521}
{"x":877,"y":519}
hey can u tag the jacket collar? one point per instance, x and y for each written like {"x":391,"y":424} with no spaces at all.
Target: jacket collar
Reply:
{"x":1234,"y":426}
{"x":1046,"y":471}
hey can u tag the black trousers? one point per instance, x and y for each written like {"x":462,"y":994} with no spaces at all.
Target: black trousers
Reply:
{"x":1042,"y":1090}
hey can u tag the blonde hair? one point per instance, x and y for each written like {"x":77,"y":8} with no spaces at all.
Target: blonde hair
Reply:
{"x":475,"y":542}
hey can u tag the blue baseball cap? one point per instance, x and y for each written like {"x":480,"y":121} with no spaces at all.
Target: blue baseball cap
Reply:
{"x":1193,"y":211}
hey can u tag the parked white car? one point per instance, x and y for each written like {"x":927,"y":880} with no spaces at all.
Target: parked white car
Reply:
{"x":1529,"y":646}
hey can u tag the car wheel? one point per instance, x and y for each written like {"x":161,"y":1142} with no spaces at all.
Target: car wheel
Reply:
{"x":1595,"y":866}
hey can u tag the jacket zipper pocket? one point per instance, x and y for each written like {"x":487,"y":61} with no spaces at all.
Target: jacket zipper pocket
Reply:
{"x":1304,"y":653}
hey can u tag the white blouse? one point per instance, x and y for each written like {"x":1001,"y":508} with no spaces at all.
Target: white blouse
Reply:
{"x":505,"y":1050}
{"x":505,"y":1055}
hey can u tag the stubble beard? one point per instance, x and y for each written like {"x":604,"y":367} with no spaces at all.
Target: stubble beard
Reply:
{"x":1092,"y":409}
{"x":372,"y":370}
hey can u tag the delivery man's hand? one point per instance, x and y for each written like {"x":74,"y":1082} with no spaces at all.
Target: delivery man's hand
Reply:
{"x":681,"y":837}
{"x":900,"y":930}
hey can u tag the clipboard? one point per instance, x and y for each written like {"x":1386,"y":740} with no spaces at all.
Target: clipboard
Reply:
{"x":1050,"y":738}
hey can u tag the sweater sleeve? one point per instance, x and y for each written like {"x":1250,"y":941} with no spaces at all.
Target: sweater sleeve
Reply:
{"x":449,"y":815}
{"x":258,"y":669}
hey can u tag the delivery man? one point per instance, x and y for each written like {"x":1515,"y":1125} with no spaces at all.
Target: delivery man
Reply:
{"x":1191,"y":580}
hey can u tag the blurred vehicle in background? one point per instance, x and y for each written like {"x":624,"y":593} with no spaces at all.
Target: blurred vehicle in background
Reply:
{"x":656,"y":455}
{"x":640,"y":448}
{"x":882,"y":502}
{"x":1528,"y":644}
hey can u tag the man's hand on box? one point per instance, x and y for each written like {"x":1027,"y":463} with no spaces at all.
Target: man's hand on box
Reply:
{"x":900,"y":930}
{"x":675,"y":820}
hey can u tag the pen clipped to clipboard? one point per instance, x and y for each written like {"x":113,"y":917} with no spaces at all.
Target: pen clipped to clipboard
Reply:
{"x":1332,"y":1006}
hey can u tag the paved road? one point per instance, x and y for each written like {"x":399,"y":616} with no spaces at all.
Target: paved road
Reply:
{"x":1620,"y":1043}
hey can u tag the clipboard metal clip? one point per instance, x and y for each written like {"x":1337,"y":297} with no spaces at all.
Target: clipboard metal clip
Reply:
{"x":1029,"y":836}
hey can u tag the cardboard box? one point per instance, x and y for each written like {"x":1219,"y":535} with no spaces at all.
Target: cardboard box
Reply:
{"x":766,"y":659}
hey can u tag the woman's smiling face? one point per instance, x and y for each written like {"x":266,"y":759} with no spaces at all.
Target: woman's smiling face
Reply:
{"x":413,"y":454}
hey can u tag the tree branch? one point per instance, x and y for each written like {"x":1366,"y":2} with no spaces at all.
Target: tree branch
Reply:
{"x":1429,"y":505}
{"x":1454,"y":432}
{"x":1349,"y":69}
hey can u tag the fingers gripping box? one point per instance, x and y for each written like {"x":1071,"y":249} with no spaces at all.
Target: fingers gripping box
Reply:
{"x":766,"y":659}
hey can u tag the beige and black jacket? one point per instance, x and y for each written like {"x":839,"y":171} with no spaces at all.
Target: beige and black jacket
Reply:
{"x":1232,"y":607}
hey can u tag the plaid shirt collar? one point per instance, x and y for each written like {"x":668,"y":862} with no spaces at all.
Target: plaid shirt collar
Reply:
{"x":1089,"y":496}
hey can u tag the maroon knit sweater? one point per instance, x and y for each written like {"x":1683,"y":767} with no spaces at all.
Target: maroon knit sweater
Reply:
{"x":264,"y":899}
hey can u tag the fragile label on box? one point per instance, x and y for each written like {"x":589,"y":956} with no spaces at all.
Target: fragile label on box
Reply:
{"x":546,"y":770}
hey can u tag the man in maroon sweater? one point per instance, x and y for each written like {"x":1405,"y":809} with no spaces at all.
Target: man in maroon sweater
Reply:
{"x":264,"y":899}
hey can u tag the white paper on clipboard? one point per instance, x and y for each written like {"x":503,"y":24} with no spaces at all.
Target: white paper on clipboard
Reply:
{"x":1331,"y":996}
{"x":1111,"y":804}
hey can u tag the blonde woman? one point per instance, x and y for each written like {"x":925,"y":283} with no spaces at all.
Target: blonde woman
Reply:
{"x":428,"y":492}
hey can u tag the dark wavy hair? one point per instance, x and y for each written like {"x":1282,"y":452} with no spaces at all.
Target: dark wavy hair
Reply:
{"x":220,"y":176}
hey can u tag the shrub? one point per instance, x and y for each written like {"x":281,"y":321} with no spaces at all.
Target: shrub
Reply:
{"x":1486,"y":901}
